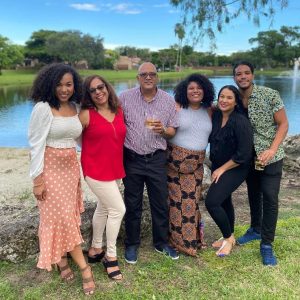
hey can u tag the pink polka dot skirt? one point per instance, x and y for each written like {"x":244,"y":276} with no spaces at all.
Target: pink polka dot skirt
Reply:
{"x":59,"y":228}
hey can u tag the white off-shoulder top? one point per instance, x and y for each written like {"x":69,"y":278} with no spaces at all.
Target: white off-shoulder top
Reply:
{"x":48,"y":130}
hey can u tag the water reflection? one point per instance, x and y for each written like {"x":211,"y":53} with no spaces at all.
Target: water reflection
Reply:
{"x":15,"y":108}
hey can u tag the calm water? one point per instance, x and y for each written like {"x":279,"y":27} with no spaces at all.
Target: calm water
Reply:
{"x":15,"y":109}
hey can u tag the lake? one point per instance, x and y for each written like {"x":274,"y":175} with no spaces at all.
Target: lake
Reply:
{"x":15,"y":108}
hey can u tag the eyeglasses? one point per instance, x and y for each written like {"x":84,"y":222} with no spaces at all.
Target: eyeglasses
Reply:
{"x":150,"y":74}
{"x":99,"y":87}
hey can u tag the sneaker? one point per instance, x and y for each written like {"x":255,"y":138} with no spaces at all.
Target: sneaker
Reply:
{"x":168,"y":251}
{"x":250,"y":235}
{"x":268,"y":257}
{"x":131,"y":254}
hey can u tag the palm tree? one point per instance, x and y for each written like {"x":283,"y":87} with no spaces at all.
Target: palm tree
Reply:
{"x":180,"y":33}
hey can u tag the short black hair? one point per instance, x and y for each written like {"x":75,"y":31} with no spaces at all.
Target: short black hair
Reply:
{"x":244,"y":63}
{"x":180,"y":90}
{"x":238,"y":98}
{"x":44,"y":85}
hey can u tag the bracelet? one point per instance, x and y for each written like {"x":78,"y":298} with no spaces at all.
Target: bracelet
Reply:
{"x":36,"y":185}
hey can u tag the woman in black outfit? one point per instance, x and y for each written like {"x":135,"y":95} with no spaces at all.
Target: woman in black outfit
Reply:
{"x":231,"y":143}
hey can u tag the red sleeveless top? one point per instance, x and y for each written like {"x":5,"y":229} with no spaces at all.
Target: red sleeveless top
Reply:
{"x":102,"y":147}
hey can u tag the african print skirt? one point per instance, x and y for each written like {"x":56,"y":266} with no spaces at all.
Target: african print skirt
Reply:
{"x":185,"y":174}
{"x":59,"y":228}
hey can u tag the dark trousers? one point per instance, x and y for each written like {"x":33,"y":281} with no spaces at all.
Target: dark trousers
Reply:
{"x":263,"y":189}
{"x":149,"y":170}
{"x":218,"y":200}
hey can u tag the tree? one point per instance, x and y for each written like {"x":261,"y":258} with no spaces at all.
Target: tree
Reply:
{"x":10,"y":54}
{"x":36,"y":46}
{"x":73,"y":46}
{"x":277,"y":47}
{"x":110,"y":58}
{"x":127,"y":51}
{"x":180,"y":33}
{"x":206,"y":17}
{"x":163,"y":58}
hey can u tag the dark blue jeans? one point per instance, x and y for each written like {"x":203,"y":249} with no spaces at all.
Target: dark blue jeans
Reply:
{"x":263,"y":189}
{"x":149,"y":171}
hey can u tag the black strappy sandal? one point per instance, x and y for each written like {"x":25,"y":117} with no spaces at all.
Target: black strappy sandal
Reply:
{"x":96,"y":258}
{"x":109,"y":264}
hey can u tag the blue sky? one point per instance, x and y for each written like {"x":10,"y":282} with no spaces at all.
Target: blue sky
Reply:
{"x":143,"y":24}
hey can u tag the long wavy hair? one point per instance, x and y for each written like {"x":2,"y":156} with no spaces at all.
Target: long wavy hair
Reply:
{"x":180,"y":90}
{"x":48,"y":78}
{"x":87,"y":102}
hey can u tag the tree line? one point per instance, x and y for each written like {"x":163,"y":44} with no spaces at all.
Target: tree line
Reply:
{"x":270,"y":49}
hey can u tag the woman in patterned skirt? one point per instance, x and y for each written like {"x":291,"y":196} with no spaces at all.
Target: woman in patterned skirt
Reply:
{"x":186,"y":153}
{"x":54,"y":168}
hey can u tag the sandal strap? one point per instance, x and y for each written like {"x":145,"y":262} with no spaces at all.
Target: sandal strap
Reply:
{"x":114,"y":274}
{"x":87,"y":280}
{"x":67,"y":275}
{"x":85,"y":268}
{"x":96,"y":258}
{"x":110,"y":263}
{"x":64,"y":268}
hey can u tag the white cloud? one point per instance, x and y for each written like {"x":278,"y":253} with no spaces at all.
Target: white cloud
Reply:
{"x":85,"y":6}
{"x":125,"y":8}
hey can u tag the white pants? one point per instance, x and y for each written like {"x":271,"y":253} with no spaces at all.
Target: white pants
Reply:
{"x":109,"y":213}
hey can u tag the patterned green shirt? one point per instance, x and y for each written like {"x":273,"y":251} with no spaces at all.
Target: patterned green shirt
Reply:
{"x":263,"y":103}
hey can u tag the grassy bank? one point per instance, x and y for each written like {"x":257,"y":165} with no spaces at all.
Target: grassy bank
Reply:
{"x":26,"y":77}
{"x":239,"y":276}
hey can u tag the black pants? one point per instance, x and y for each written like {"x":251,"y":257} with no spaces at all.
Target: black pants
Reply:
{"x":150,"y":170}
{"x":263,"y":189}
{"x":218,"y":200}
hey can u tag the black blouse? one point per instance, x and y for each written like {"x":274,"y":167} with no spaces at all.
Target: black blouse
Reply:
{"x":233,"y":141}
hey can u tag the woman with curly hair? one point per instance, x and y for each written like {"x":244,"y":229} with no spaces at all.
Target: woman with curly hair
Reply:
{"x":231,"y":146}
{"x":186,"y":152}
{"x":102,"y":164}
{"x":53,"y":130}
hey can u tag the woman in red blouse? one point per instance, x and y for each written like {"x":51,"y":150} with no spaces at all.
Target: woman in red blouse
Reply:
{"x":102,"y":164}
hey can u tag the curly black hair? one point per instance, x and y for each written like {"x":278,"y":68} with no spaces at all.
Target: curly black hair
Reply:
{"x":44,"y":85}
{"x":238,"y":98}
{"x":87,"y":102}
{"x":180,"y":90}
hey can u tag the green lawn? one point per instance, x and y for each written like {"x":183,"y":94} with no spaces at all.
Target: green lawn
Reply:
{"x":239,"y":276}
{"x":26,"y":77}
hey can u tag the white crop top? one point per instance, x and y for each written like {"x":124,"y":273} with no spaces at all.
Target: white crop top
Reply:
{"x":47,"y":130}
{"x":63,"y":132}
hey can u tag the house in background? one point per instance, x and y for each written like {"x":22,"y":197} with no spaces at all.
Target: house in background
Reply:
{"x":127,"y":63}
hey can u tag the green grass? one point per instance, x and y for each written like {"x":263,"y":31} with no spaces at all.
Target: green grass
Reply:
{"x":239,"y":276}
{"x":26,"y":77}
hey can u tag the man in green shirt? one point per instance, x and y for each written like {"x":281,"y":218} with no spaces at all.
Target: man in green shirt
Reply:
{"x":270,"y":125}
